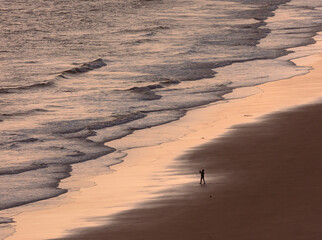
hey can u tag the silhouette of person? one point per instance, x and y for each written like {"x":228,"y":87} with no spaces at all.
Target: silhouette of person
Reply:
{"x":202,"y":176}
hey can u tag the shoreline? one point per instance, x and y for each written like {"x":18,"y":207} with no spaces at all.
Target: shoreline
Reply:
{"x":162,"y":179}
{"x":266,"y":185}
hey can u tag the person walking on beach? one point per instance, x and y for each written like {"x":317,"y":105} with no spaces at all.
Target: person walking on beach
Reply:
{"x":202,"y":176}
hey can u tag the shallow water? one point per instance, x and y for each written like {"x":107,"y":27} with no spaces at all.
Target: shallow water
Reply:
{"x":155,"y":61}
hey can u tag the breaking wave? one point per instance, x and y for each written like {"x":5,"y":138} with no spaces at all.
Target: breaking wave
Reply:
{"x":98,"y":63}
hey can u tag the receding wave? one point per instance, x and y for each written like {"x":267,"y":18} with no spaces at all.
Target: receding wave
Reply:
{"x":148,"y":29}
{"x":117,"y":121}
{"x":169,"y":82}
{"x":23,"y":113}
{"x":28,"y":87}
{"x":140,"y":41}
{"x":50,"y":194}
{"x":85,"y":129}
{"x":145,"y":93}
{"x":152,"y":119}
{"x":21,"y":169}
{"x":28,"y":140}
{"x":4,"y":220}
{"x":86,"y":67}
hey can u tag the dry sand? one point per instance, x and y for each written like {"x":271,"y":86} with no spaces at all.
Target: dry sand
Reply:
{"x":270,"y":185}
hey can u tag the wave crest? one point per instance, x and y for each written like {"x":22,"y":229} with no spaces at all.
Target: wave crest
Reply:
{"x":86,"y":67}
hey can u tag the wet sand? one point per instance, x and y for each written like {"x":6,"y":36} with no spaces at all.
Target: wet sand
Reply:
{"x":263,"y":179}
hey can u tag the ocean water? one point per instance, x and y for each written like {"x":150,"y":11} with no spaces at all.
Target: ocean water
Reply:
{"x":76,"y":75}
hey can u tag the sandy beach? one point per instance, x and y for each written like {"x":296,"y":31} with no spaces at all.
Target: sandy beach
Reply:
{"x":263,"y":178}
{"x":272,"y":187}
{"x":262,"y":175}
